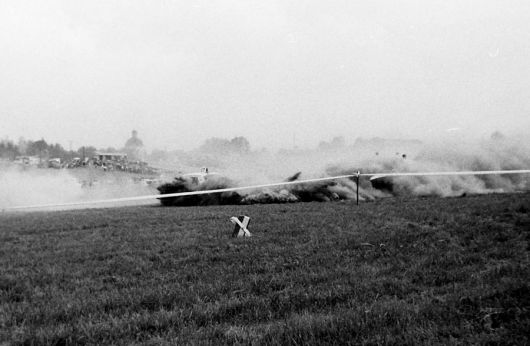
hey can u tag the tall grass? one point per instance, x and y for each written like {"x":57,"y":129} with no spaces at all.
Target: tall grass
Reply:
{"x":394,"y":271}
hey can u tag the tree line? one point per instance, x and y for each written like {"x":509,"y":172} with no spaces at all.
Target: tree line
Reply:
{"x":9,"y":150}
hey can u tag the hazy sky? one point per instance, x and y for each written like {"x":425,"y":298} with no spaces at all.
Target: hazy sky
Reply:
{"x":273,"y":71}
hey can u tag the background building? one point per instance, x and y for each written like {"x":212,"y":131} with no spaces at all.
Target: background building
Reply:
{"x":134,"y":148}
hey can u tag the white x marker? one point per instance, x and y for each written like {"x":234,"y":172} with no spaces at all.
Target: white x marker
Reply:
{"x":240,"y":228}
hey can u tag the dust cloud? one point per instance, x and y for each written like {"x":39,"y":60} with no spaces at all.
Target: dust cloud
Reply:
{"x":370,"y":156}
{"x":26,"y":186}
{"x":31,"y":186}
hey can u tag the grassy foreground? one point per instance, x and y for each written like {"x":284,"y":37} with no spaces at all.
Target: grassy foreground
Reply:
{"x":395,"y":271}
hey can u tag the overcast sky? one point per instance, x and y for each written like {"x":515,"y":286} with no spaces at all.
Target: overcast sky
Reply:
{"x":273,"y":71}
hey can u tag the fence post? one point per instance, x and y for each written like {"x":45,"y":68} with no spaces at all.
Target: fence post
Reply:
{"x":358,"y":177}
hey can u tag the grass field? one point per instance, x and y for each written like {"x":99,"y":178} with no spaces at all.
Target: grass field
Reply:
{"x":394,"y":271}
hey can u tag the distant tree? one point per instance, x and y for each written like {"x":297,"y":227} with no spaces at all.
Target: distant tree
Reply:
{"x":240,"y":144}
{"x":497,"y":136}
{"x":22,"y":145}
{"x":34,"y":148}
{"x":158,"y":155}
{"x":56,"y":150}
{"x":8,"y":150}
{"x":336,"y":143}
{"x":38,"y":148}
{"x":220,"y":145}
{"x":215,"y":145}
{"x":86,"y":151}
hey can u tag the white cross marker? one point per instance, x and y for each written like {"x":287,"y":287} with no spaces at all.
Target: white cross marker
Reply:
{"x":240,"y":228}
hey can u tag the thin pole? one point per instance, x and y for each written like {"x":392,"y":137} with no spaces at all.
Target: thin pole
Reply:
{"x":358,"y":176}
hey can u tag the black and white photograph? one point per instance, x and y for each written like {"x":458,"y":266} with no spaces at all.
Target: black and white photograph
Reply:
{"x":243,"y":172}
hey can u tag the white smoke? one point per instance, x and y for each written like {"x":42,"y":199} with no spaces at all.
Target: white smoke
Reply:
{"x":28,"y":186}
{"x":32,"y":186}
{"x":381,"y":156}
{"x":20,"y":186}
